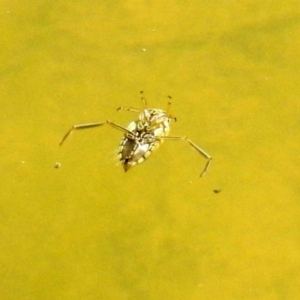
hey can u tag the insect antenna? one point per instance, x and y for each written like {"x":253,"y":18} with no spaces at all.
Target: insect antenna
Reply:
{"x":143,"y":99}
{"x":169,"y":108}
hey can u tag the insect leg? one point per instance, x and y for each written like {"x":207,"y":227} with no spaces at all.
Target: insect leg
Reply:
{"x":128,"y":109}
{"x":91,"y":125}
{"x":201,"y":151}
{"x":114,"y":125}
{"x":80,"y":126}
{"x":132,"y":108}
{"x":196,"y":147}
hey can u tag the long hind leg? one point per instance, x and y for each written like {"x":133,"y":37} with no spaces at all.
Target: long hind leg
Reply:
{"x":92,"y":125}
{"x":196,"y":147}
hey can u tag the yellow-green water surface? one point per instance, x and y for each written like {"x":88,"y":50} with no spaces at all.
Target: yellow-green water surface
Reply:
{"x":88,"y":230}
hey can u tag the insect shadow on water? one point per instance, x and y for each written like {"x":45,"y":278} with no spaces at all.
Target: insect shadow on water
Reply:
{"x":143,"y":135}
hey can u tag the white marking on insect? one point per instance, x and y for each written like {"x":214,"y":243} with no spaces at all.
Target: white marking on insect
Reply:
{"x":143,"y":136}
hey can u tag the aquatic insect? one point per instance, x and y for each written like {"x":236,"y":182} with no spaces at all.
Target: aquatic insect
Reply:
{"x":143,"y":135}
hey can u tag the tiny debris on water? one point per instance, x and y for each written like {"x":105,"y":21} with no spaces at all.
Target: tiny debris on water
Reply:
{"x":57,"y":165}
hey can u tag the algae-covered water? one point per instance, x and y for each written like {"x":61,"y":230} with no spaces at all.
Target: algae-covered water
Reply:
{"x":85,"y":229}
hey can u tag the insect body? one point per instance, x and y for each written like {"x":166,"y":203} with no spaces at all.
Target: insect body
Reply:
{"x":143,"y":136}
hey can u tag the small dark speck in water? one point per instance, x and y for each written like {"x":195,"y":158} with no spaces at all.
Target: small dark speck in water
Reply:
{"x":57,"y":165}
